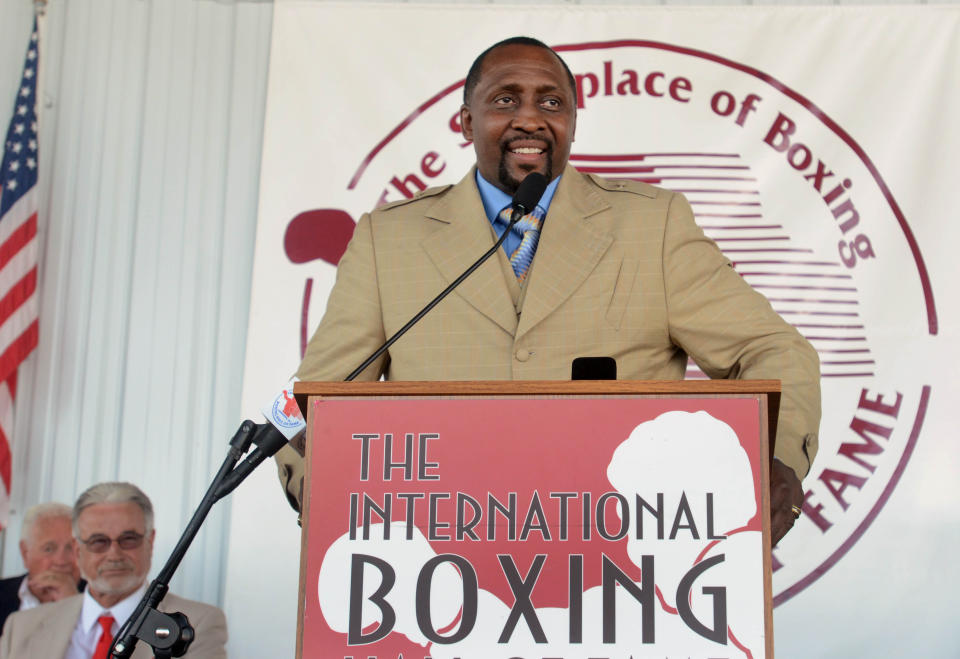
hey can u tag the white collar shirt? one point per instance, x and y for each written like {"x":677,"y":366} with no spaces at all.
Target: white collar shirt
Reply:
{"x":27,"y":599}
{"x":87,"y":631}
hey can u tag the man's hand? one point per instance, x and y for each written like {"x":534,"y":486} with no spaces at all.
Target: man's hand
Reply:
{"x":52,"y":586}
{"x":785,"y":493}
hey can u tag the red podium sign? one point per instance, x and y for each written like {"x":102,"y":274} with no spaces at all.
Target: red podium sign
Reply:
{"x":520,"y":527}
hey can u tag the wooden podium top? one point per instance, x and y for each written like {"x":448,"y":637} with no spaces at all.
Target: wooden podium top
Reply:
{"x":771,"y":388}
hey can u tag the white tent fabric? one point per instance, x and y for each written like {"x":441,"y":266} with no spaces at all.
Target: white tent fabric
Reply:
{"x":151,"y":124}
{"x":151,"y":129}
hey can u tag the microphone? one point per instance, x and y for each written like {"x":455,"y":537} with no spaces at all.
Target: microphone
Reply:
{"x":594,"y":368}
{"x":528,"y":194}
{"x":525,"y":200}
{"x":284,"y":422}
{"x":172,"y":631}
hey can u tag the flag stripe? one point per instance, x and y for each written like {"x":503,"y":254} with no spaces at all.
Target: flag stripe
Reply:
{"x":19,"y":239}
{"x":18,"y":350}
{"x":18,"y":295}
{"x":6,"y":425}
{"x":19,"y":213}
{"x":22,"y":263}
{"x":16,"y":324}
{"x":5,"y":460}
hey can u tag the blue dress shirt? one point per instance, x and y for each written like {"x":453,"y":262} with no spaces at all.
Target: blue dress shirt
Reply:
{"x":495,"y":200}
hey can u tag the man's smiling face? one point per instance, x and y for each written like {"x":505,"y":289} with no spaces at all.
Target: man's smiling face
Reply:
{"x":114,"y":572}
{"x":521,"y":116}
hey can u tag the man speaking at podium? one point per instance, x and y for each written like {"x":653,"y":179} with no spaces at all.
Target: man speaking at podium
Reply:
{"x":601,"y":267}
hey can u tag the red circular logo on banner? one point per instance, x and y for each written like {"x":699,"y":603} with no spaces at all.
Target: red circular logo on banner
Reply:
{"x":786,"y":193}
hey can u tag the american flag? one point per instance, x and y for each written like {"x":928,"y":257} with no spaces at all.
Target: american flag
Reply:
{"x":18,"y":254}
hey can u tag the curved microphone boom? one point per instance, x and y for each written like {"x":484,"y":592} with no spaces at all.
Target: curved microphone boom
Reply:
{"x":525,"y":200}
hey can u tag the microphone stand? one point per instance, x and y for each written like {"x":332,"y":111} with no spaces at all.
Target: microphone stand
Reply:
{"x":170,"y":634}
{"x":524,"y":200}
{"x":515,"y":217}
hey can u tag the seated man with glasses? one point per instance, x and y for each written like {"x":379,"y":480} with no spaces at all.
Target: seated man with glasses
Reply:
{"x":113,"y":528}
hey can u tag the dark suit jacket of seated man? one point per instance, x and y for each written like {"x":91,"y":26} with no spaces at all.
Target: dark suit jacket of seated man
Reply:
{"x":621,"y":270}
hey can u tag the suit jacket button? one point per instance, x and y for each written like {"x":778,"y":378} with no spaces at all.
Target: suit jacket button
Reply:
{"x":523,"y":355}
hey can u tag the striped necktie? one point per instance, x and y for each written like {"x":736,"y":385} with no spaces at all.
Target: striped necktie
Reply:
{"x":529,"y":228}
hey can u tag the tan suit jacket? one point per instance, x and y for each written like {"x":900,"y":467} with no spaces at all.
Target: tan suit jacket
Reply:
{"x":46,"y":630}
{"x":621,"y":270}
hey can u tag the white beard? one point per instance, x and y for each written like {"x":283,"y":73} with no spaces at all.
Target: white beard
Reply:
{"x":116,"y":585}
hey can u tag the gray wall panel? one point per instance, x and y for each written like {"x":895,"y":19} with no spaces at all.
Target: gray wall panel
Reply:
{"x":150,"y":149}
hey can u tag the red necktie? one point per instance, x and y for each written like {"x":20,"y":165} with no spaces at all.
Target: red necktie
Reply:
{"x":106,"y":638}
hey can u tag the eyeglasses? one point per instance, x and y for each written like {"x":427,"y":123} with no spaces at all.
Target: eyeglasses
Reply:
{"x":98,"y":544}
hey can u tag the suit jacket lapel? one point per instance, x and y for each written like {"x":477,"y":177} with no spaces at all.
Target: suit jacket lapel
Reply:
{"x":569,"y":249}
{"x":463,"y":239}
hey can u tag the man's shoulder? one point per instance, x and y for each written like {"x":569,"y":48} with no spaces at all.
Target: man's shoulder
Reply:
{"x":430,"y":194}
{"x":209,"y":624}
{"x":9,"y":596}
{"x":46,"y":612}
{"x":172,"y":602}
{"x":619,"y":186}
{"x":11,"y":583}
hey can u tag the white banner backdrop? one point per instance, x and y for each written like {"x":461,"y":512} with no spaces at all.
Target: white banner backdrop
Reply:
{"x":818,"y":147}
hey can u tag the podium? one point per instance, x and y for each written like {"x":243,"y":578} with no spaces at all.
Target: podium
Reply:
{"x":521,"y":520}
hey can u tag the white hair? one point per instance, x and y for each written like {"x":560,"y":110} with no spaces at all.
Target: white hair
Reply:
{"x":113,"y":492}
{"x":51,"y":509}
